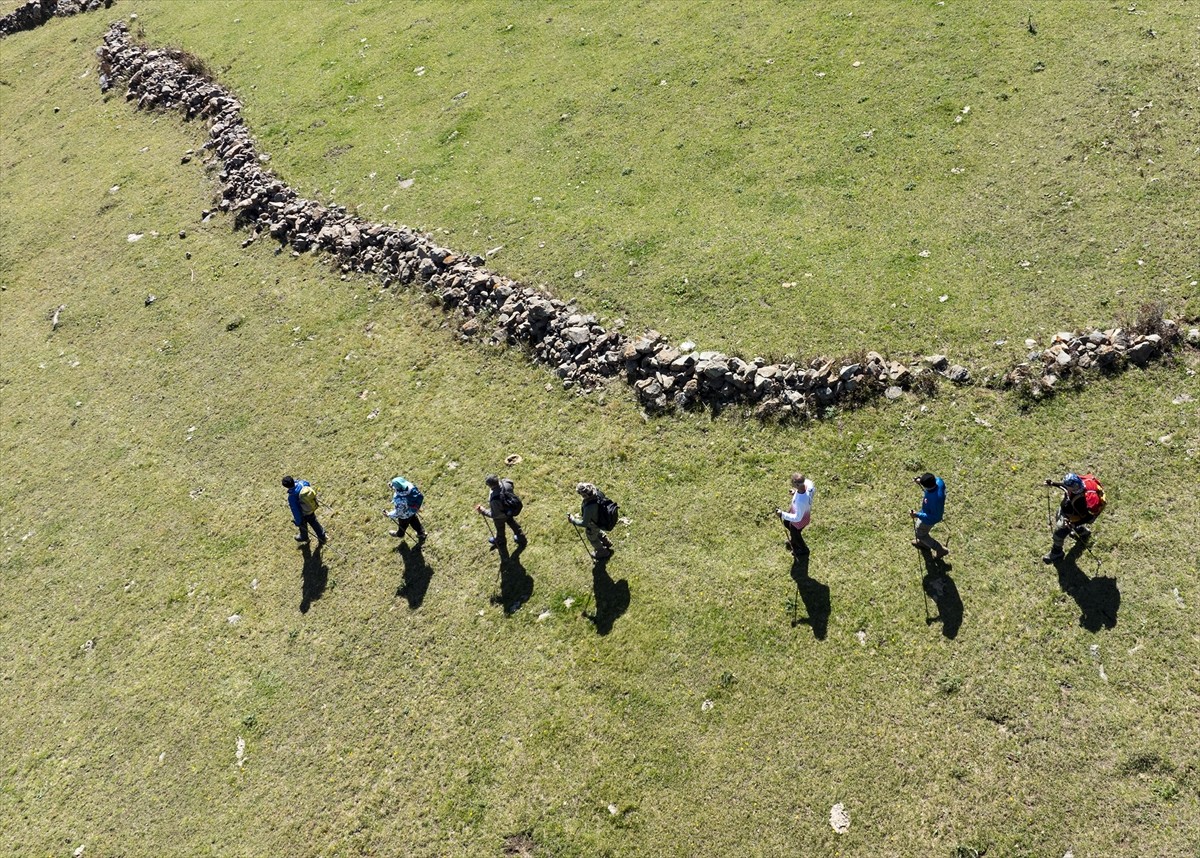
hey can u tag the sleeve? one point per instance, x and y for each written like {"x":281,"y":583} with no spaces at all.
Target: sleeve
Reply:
{"x":294,"y":505}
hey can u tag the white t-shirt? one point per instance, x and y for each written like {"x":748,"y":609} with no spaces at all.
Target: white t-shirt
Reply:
{"x":801,"y":509}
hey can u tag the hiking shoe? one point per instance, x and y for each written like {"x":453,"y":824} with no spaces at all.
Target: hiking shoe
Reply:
{"x":917,"y":544}
{"x":942,"y":554}
{"x":421,"y":536}
{"x":394,"y":533}
{"x":1055,"y":554}
{"x":300,"y":538}
{"x":493,"y":543}
{"x":321,"y":542}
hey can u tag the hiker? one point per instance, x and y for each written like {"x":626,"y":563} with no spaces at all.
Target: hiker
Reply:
{"x":590,"y":518}
{"x":795,"y":518}
{"x":302,"y":499}
{"x":503,"y":508}
{"x":1082,"y":501}
{"x":933,"y":507}
{"x":406,"y":503}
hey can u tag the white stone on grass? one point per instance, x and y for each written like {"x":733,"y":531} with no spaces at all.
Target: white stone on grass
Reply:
{"x":839,"y":818}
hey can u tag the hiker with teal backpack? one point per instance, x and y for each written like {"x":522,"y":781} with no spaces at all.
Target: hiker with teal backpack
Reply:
{"x":503,"y":508}
{"x":597,"y":514}
{"x":406,"y":503}
{"x":1082,"y":501}
{"x":302,"y":500}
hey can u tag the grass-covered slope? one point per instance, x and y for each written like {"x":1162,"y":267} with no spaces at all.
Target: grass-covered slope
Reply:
{"x":141,"y":447}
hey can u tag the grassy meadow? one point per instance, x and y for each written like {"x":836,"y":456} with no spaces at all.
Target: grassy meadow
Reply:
{"x":695,"y":698}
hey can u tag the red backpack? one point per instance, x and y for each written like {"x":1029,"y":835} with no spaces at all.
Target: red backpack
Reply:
{"x":1094,"y":493}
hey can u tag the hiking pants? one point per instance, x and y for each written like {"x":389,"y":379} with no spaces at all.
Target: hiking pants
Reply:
{"x":795,"y":538}
{"x":311,"y":520}
{"x":1063,"y":528}
{"x":926,"y":538}
{"x":403,"y":523}
{"x":518,"y":534}
{"x":600,"y":542}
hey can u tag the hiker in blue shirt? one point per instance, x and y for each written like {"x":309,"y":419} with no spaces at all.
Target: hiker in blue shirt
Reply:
{"x":933,"y":507}
{"x":304,"y":509}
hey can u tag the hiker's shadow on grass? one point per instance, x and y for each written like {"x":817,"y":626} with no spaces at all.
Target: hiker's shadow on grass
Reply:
{"x":314,"y":576}
{"x":516,"y":584}
{"x":612,"y":598}
{"x":940,"y":587}
{"x":1098,"y":598}
{"x":417,"y":575}
{"x":814,"y":595}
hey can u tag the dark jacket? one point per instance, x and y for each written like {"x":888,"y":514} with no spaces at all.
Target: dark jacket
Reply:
{"x":1075,"y":509}
{"x":496,"y":501}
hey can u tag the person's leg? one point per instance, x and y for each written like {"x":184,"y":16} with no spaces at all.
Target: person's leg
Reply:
{"x":796,"y":540}
{"x":518,"y":533}
{"x":601,"y":546}
{"x":1061,"y":529}
{"x":501,"y":539}
{"x":926,"y":538}
{"x":418,"y":527}
{"x":401,"y":527}
{"x":302,"y":536}
{"x":316,"y":526}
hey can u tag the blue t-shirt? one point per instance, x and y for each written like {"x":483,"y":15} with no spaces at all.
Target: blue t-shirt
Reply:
{"x":933,"y":505}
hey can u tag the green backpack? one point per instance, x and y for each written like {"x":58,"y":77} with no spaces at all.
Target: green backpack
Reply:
{"x":308,"y":500}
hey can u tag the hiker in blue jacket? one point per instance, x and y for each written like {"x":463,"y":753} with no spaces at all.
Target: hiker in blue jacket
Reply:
{"x":304,"y":509}
{"x":933,"y":507}
{"x":406,"y":503}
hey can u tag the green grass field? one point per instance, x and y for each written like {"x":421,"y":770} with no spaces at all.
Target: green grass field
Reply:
{"x":142,"y":444}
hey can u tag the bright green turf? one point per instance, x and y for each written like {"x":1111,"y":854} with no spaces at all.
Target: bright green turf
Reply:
{"x":372,"y":728}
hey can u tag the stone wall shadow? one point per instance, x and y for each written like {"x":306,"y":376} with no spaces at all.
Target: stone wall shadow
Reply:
{"x":814,"y":595}
{"x":612,"y":598}
{"x":417,"y":574}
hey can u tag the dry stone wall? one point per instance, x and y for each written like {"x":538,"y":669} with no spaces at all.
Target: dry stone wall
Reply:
{"x":573,"y":343}
{"x":34,"y":13}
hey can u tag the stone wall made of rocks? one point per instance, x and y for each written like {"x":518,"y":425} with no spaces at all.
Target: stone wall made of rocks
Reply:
{"x":492,"y":307}
{"x":34,"y":13}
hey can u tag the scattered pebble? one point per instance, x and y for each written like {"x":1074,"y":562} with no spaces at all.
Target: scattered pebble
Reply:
{"x":1181,"y":399}
{"x":419,"y":71}
{"x":862,"y":637}
{"x":578,"y":274}
{"x":612,"y":808}
{"x":254,"y":584}
{"x":942,"y":299}
{"x":241,"y":752}
{"x":569,"y":601}
{"x":234,"y":619}
{"x":134,"y":236}
{"x":706,"y":706}
{"x":79,"y":851}
{"x":1178,"y":598}
{"x":544,"y":615}
{"x":839,"y":819}
{"x":924,"y":254}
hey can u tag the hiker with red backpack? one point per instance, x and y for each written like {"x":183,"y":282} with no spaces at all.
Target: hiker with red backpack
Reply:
{"x":1083,"y":500}
{"x":596,"y":515}
{"x":503,"y":508}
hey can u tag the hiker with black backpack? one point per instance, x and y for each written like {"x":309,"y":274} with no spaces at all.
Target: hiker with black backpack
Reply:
{"x":597,"y":514}
{"x":1082,"y":501}
{"x":302,"y":500}
{"x":406,"y":503}
{"x":503,"y":508}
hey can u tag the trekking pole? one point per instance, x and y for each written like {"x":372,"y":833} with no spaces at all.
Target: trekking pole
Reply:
{"x":1049,"y":512}
{"x":583,"y":542}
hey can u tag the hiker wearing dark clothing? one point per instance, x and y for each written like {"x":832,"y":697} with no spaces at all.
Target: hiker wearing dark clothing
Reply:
{"x":302,"y":500}
{"x":503,"y":508}
{"x":1082,"y":501}
{"x":933,"y":508}
{"x":589,"y":520}
{"x":406,"y":503}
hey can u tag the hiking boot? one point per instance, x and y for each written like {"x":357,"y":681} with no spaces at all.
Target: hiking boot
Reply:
{"x":300,"y":538}
{"x":941,"y":554}
{"x":916,"y":543}
{"x":394,"y":533}
{"x":1054,"y":556}
{"x":493,"y":543}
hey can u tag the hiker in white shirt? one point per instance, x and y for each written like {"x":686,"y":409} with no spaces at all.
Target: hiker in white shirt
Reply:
{"x":797,"y":516}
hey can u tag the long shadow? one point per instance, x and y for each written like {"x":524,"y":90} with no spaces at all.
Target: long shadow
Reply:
{"x":612,"y":598}
{"x":516,"y":584}
{"x":417,"y":574}
{"x":313,"y":577}
{"x":940,"y":587}
{"x":1098,"y":598}
{"x":814,"y":595}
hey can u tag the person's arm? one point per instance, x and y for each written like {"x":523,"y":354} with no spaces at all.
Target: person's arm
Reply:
{"x":790,"y":513}
{"x":294,"y":505}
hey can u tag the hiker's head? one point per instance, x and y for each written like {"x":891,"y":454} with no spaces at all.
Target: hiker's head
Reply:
{"x":798,"y":480}
{"x":586,"y":490}
{"x":399,"y":484}
{"x":288,"y":483}
{"x":1072,"y":483}
{"x":492,"y":481}
{"x":927,"y":480}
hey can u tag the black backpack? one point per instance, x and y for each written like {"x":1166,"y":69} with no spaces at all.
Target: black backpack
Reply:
{"x":607,"y":513}
{"x":510,"y":503}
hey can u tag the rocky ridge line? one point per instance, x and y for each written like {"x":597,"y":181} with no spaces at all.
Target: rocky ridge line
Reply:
{"x":555,"y":333}
{"x":34,"y":13}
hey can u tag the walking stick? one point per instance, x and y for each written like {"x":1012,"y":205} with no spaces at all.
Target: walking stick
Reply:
{"x":583,"y":542}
